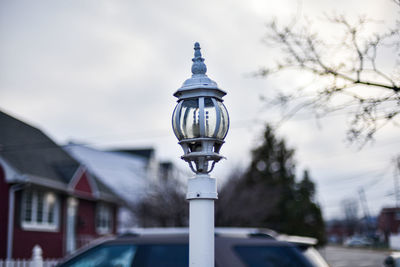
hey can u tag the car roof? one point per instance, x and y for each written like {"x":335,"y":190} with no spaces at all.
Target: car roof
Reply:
{"x":237,"y":232}
{"x":254,"y":236}
{"x":219,"y":231}
{"x":183,"y":238}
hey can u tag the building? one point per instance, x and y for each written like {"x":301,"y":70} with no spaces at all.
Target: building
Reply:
{"x":147,"y":155}
{"x":336,"y":231}
{"x":46,"y":196}
{"x":131,"y":173}
{"x":126,"y":174}
{"x":389,"y":222}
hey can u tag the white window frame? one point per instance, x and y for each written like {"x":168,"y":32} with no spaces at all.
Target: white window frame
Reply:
{"x":104,"y":211}
{"x":34,"y":224}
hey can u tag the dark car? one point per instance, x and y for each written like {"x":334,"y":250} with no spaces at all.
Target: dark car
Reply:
{"x":169,"y":248}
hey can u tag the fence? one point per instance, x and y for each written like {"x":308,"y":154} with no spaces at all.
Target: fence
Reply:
{"x":26,"y":263}
{"x":35,"y":261}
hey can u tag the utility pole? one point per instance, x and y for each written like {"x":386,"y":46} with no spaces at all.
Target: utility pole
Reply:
{"x":396,"y":177}
{"x":365,"y":208}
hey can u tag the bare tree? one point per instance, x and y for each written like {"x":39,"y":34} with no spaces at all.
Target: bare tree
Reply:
{"x":343,"y":68}
{"x":164,"y":205}
{"x":350,"y":210}
{"x":244,"y":205}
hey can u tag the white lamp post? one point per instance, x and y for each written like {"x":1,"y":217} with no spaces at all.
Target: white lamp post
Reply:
{"x":200,"y":122}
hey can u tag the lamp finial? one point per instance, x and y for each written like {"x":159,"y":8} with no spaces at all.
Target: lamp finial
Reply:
{"x":198,"y":66}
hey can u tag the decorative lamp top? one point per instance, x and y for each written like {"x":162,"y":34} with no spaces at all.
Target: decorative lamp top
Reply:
{"x":200,"y":120}
{"x":199,"y":84}
{"x":198,"y":66}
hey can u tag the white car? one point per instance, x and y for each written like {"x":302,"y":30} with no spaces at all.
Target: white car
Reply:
{"x":393,"y":260}
{"x":357,"y":242}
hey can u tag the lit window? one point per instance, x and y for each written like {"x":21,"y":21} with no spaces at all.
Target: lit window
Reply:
{"x":103,"y":219}
{"x":40,"y":210}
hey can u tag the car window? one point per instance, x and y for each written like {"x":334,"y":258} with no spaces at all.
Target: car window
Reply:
{"x":172,"y":255}
{"x":105,"y":256}
{"x":271,"y":256}
{"x":152,"y":255}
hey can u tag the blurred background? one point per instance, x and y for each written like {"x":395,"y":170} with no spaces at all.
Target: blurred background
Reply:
{"x":313,"y":94}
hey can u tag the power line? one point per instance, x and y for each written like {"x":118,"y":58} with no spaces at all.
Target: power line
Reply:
{"x":377,"y":180}
{"x":351,"y":178}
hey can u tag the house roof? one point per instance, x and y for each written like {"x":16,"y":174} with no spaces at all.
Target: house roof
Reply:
{"x":146,"y":153}
{"x":125,"y":173}
{"x":33,"y":154}
{"x":30,"y":151}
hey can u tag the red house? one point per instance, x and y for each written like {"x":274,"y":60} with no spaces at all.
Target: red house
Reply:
{"x":389,"y":222}
{"x":47,"y":197}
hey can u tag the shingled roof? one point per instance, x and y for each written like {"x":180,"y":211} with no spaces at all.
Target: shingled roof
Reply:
{"x":33,"y":154}
{"x":145,"y":153}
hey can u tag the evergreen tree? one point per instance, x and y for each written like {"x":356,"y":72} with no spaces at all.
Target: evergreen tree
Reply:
{"x":267,"y":194}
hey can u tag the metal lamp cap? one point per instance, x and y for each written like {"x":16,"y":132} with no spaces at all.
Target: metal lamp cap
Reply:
{"x":199,"y":84}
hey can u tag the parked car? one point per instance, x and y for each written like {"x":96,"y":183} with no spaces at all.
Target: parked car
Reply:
{"x":166,"y":247}
{"x":357,"y":242}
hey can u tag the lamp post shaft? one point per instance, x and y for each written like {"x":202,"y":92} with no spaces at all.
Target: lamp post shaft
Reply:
{"x":202,"y":191}
{"x":200,"y":122}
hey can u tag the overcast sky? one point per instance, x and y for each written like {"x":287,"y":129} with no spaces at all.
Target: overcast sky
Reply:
{"x":103,"y":73}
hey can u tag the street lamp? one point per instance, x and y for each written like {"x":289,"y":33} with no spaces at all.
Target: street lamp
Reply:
{"x":200,"y":122}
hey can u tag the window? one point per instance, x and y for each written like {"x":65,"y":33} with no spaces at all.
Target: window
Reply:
{"x":103,"y":219}
{"x":397,"y":215}
{"x":165,"y":255}
{"x":271,"y":256}
{"x":127,"y":255}
{"x":40,"y":210}
{"x":110,"y":256}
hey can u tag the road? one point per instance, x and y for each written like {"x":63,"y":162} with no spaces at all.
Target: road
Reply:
{"x":353,"y":257}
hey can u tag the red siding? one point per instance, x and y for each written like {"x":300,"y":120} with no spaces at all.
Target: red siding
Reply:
{"x":52,"y":243}
{"x":389,"y":220}
{"x":86,"y":230}
{"x":4,"y":213}
{"x":83,"y":185}
{"x":86,"y":227}
{"x":86,"y":217}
